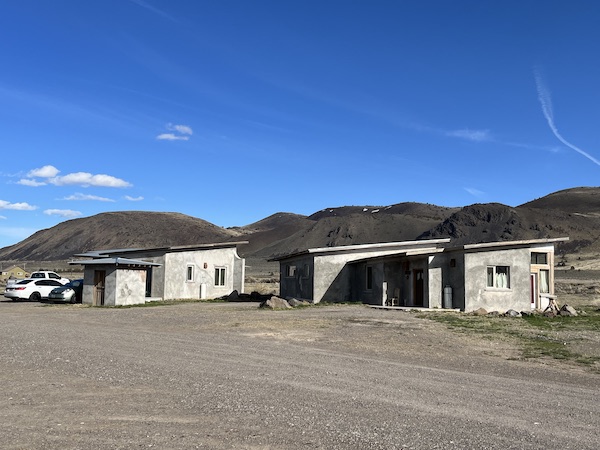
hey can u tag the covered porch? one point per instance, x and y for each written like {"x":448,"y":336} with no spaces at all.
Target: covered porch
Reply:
{"x":406,"y":280}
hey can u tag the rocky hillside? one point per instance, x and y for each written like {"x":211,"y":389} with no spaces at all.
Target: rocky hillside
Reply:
{"x":351,"y":225}
{"x":573,"y":212}
{"x":124,"y":229}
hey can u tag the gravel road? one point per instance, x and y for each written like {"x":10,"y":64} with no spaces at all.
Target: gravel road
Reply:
{"x":231,"y":376}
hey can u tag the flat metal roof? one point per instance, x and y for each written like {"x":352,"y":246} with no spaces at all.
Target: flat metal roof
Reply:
{"x":166,"y":249}
{"x":114,"y":262}
{"x":520,"y":243}
{"x":364,"y":247}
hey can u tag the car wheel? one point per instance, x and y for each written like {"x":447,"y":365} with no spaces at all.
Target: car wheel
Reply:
{"x":36,"y":297}
{"x":73,"y":299}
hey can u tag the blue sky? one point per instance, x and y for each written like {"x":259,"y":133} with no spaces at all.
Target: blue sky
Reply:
{"x":233,"y":110}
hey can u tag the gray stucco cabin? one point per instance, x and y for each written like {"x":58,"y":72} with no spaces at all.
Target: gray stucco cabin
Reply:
{"x":425,"y":273}
{"x":131,"y":276}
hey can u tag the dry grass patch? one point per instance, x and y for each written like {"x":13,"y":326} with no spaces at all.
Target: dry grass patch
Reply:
{"x":573,"y":340}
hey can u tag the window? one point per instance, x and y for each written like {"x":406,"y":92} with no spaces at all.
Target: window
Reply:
{"x":190,"y":273}
{"x":539,"y":258}
{"x":219,"y":276}
{"x":544,"y":281}
{"x":369,"y":277}
{"x":290,"y":271}
{"x":498,"y":277}
{"x":306,"y":271}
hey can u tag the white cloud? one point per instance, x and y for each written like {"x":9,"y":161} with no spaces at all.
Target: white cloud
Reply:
{"x":2,"y":218}
{"x":134,"y":199}
{"x":17,"y":206}
{"x":86,"y":179}
{"x":183,"y":129}
{"x":471,"y":135}
{"x":79,"y":196}
{"x":546,"y":103}
{"x":155,"y":10}
{"x":475,"y":192}
{"x":68,"y":213}
{"x":171,"y":137}
{"x":29,"y":182}
{"x":181,"y":133}
{"x":43,"y":172}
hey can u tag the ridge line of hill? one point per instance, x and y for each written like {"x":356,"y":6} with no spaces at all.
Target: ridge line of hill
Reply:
{"x":570,"y":212}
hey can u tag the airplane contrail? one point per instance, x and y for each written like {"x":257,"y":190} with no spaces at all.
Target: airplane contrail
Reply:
{"x":546,"y":102}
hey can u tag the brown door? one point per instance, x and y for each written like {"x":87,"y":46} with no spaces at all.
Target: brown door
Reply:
{"x":99,"y":283}
{"x":418,"y":287}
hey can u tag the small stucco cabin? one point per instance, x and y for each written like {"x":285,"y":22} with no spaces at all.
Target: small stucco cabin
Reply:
{"x":133,"y":276}
{"x":425,"y":273}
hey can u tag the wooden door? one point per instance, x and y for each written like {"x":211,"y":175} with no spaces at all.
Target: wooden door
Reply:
{"x":99,"y":285}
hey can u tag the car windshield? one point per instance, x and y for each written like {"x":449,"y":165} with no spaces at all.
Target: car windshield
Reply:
{"x":24,"y":282}
{"x":74,"y":283}
{"x":37,"y":275}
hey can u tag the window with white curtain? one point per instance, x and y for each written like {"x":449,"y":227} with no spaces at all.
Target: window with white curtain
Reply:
{"x":498,"y":277}
{"x":544,"y":280}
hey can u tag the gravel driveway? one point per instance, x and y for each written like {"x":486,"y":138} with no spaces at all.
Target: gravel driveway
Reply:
{"x":231,"y":376}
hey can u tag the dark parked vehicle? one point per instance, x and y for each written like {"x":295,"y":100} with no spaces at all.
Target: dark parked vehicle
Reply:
{"x":70,"y":292}
{"x":31,"y":289}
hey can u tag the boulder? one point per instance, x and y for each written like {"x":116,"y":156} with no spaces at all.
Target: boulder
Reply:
{"x":275,"y":303}
{"x":549,"y":313}
{"x":480,"y":312}
{"x":512,"y":313}
{"x":567,"y":310}
{"x":293,"y":302}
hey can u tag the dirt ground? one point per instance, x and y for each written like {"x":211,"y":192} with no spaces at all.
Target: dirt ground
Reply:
{"x":233,"y":376}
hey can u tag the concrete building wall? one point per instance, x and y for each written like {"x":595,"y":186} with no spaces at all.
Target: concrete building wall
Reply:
{"x":203,"y":264}
{"x":331,"y":281}
{"x":157,"y":275}
{"x":434,"y":295}
{"x":452,"y":267}
{"x":87,"y":293}
{"x":130,"y":287}
{"x":479,"y":295}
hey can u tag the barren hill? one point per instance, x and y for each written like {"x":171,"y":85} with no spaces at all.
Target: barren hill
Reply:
{"x":124,"y":229}
{"x":572,"y":212}
{"x":351,"y":225}
{"x":581,"y":200}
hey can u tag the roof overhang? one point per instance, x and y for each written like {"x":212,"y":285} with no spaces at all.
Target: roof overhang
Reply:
{"x":512,"y":244}
{"x":405,"y":254}
{"x":382,"y":246}
{"x":123,"y":262}
{"x":175,"y":248}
